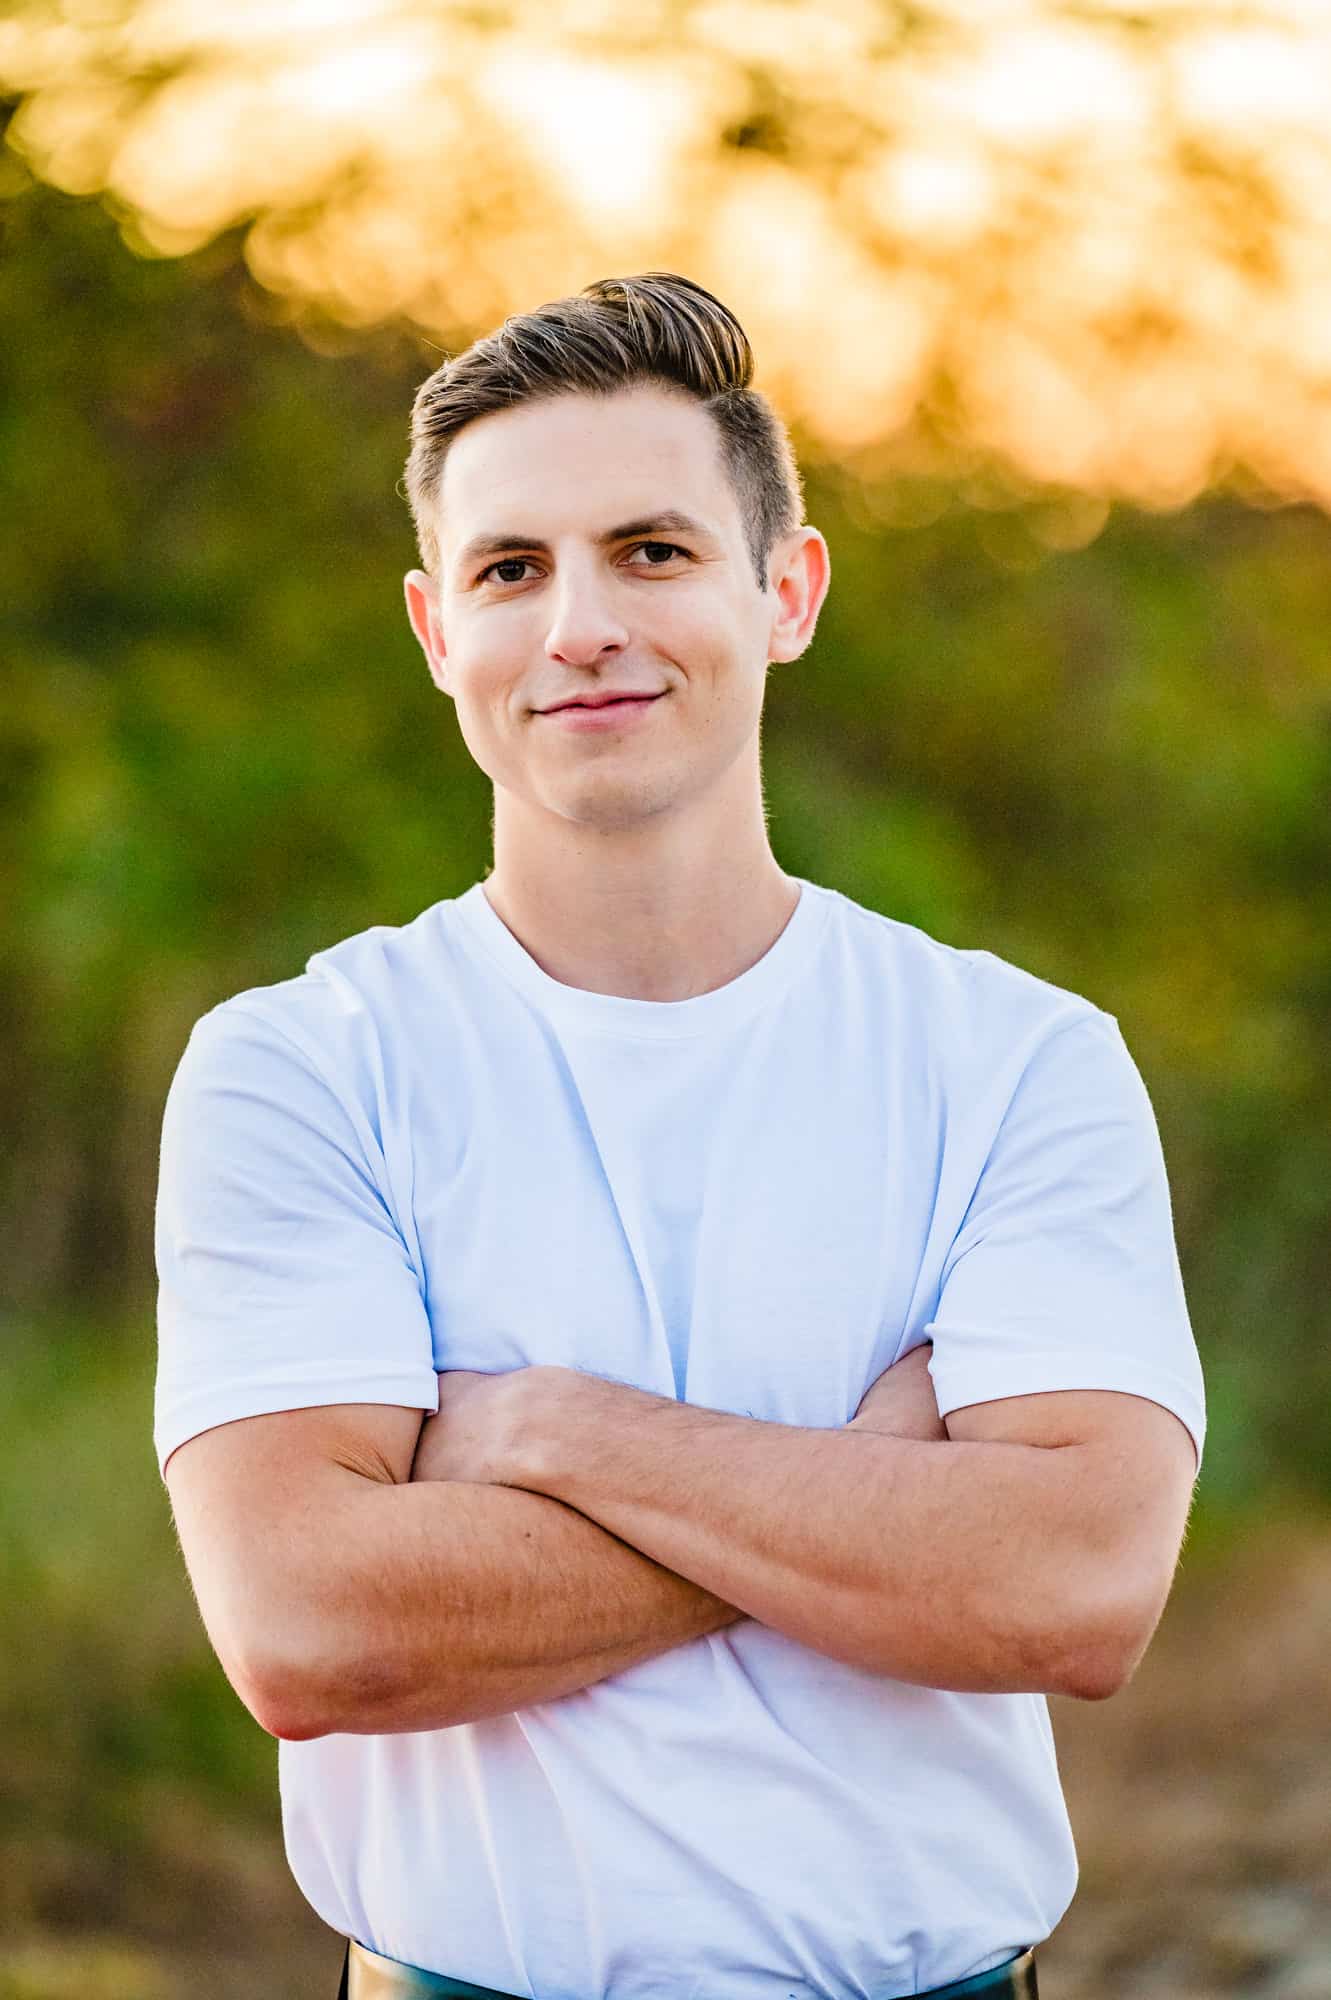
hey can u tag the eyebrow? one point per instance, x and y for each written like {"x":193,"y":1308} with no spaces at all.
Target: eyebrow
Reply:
{"x":669,"y":519}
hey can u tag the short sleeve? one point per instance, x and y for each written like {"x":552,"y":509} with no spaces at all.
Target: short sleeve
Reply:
{"x":283,"y":1279}
{"x":1064,"y":1273}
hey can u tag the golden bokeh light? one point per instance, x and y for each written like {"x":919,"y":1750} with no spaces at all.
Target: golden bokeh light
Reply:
{"x":1085,"y":245}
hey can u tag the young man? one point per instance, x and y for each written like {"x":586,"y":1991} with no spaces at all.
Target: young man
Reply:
{"x":683,"y":1648}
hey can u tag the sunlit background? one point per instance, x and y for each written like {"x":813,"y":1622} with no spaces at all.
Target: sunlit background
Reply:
{"x":1087,"y":241}
{"x":1044,"y":292}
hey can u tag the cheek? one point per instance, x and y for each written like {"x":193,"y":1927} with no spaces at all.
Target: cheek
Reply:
{"x":486,"y":686}
{"x":715,"y":650}
{"x":488,"y":718}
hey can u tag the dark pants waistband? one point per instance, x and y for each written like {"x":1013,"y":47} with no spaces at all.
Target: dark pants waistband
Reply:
{"x":368,"y":1976}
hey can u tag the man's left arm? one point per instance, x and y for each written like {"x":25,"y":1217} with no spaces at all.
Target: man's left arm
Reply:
{"x":1032,"y":1548}
{"x":1032,"y":1543}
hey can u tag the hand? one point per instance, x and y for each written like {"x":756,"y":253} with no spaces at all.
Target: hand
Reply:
{"x":476,"y":1431}
{"x":901,"y":1402}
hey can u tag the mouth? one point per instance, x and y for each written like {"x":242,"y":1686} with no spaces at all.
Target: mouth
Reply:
{"x":602,"y":719}
{"x":618,"y":706}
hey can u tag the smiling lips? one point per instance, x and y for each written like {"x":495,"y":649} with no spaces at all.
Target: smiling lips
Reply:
{"x":607,"y":700}
{"x":603,"y":717}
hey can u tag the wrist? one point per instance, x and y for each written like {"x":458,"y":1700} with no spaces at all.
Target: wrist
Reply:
{"x":545,"y":1425}
{"x":569,"y":1425}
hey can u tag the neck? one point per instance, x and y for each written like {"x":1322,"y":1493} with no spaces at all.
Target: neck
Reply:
{"x":650,"y":913}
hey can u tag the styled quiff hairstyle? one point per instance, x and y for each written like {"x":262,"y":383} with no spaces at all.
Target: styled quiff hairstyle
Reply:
{"x":616,"y":333}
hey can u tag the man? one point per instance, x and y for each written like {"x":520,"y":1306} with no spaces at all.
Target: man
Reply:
{"x":682,"y":1647}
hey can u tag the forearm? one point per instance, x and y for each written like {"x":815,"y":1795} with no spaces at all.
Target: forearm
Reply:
{"x":958,"y":1565}
{"x":436,"y":1602}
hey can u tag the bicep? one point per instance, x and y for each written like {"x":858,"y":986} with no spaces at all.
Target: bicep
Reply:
{"x":1061,"y":1317}
{"x":285,"y":1278}
{"x":1136,"y":1464}
{"x":1108,"y":1417}
{"x":254,"y":1500}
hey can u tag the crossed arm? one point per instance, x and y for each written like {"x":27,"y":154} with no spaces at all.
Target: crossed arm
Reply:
{"x":359,"y":1570}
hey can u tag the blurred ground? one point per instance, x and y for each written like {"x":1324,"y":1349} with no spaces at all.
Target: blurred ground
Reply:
{"x":1200,"y":1795}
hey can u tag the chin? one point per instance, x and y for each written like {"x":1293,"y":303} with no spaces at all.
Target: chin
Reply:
{"x":618,"y":805}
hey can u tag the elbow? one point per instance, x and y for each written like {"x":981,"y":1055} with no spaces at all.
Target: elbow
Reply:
{"x":1094,"y":1674}
{"x":295,"y":1693}
{"x":289,"y":1721}
{"x":1098,"y":1654}
{"x":283,"y":1704}
{"x":297,"y":1699}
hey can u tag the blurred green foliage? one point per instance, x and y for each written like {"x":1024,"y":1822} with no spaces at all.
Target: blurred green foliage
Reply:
{"x":123,"y":1741}
{"x":221,"y":750}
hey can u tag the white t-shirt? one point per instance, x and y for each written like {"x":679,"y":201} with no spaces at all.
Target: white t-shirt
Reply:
{"x":425,"y":1153}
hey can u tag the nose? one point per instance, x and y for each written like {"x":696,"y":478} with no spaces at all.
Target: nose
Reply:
{"x":584,"y":625}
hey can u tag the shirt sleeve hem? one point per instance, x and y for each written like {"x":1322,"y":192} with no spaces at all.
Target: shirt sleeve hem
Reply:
{"x":412,"y":1390}
{"x":1037,"y":1373}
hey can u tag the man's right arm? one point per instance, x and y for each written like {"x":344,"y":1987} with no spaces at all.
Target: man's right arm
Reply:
{"x":342,"y":1595}
{"x":346,"y":1587}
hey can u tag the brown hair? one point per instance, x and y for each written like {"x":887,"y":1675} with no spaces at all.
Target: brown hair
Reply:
{"x":617,"y":332}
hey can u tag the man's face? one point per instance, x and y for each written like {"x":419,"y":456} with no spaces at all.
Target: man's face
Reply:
{"x":567,"y":570}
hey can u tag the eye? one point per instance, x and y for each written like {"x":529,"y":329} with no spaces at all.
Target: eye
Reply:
{"x":505,"y":562}
{"x":667,"y":551}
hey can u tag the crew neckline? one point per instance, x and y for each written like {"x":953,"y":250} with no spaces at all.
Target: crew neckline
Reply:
{"x":657,"y":1020}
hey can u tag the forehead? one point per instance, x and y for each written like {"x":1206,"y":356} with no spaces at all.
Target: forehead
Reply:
{"x":574,"y":462}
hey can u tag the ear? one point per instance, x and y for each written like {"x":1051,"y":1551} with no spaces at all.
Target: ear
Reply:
{"x":801,"y":573}
{"x":423,"y":611}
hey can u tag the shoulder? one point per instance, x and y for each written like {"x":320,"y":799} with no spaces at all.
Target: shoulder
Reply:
{"x":1016,"y":1067}
{"x":338,"y":1020}
{"x":970,"y":1009}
